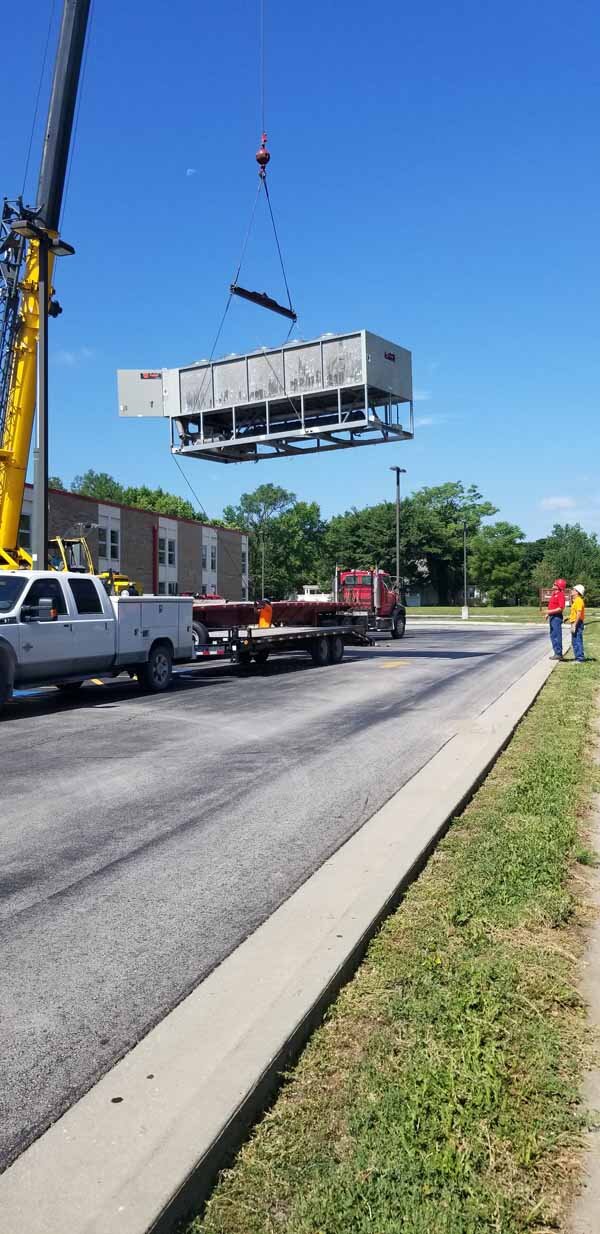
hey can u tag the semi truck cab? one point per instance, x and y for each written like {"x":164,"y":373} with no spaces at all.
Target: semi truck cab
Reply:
{"x":372,"y":592}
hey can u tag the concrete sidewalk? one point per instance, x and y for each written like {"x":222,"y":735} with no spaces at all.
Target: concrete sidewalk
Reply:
{"x":145,"y":1143}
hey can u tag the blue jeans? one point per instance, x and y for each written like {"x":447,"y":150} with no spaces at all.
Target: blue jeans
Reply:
{"x":577,"y":639}
{"x":556,"y":633}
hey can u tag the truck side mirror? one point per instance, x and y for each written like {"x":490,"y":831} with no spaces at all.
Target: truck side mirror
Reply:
{"x":46,"y":610}
{"x":43,"y":611}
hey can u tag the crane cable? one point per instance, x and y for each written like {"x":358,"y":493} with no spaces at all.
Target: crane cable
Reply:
{"x":263,"y":158}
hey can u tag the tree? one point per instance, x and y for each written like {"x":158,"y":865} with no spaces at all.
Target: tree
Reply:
{"x":104,"y":487}
{"x":533,"y":552}
{"x":256,"y":514}
{"x":434,"y":520}
{"x":98,"y":484}
{"x":496,"y":561}
{"x":431,"y":536}
{"x":55,"y":482}
{"x":160,"y":502}
{"x":293,"y":549}
{"x":571,"y":553}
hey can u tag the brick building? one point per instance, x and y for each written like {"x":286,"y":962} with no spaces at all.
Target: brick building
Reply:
{"x":166,"y":555}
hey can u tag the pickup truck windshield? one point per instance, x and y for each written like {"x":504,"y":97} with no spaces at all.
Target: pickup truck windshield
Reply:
{"x":10,"y":590}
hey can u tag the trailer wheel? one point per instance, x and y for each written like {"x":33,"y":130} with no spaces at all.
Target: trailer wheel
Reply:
{"x":261,"y":656}
{"x":336,"y":649}
{"x":157,"y":674}
{"x":320,"y":651}
{"x":399,"y":626}
{"x":199,"y":636}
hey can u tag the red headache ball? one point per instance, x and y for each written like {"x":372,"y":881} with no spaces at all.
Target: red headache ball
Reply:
{"x":262,"y":155}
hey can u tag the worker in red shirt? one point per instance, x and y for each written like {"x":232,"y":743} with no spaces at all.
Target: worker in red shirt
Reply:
{"x":556,"y":608}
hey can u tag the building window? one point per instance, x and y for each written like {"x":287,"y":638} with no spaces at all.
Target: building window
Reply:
{"x":102,"y":543}
{"x":213,"y":556}
{"x":173,"y":589}
{"x":204,"y":557}
{"x":161,"y":589}
{"x":204,"y":589}
{"x":25,"y":532}
{"x":244,"y":561}
{"x":114,"y":545}
{"x":171,"y":552}
{"x":213,"y":590}
{"x":162,"y":552}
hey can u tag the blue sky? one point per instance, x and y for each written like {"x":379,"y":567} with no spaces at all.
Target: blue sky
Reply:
{"x":435,"y":178}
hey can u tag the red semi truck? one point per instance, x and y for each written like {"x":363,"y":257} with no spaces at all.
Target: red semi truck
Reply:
{"x":372,"y":594}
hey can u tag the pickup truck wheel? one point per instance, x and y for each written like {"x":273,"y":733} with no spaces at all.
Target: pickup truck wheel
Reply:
{"x":336,"y":649}
{"x":399,"y":626}
{"x":199,"y":635}
{"x":320,"y":651}
{"x":157,"y":674}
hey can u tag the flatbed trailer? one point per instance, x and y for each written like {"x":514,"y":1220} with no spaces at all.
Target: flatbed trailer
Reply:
{"x":253,"y":644}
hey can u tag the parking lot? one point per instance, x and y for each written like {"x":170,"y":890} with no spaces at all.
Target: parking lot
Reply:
{"x":143,"y":838}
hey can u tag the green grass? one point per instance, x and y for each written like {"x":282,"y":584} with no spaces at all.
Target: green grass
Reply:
{"x":521,"y":613}
{"x":487,"y":613}
{"x":440,"y":1095}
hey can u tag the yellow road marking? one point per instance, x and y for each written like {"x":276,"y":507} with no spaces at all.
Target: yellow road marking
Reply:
{"x":393,"y":663}
{"x":97,"y":682}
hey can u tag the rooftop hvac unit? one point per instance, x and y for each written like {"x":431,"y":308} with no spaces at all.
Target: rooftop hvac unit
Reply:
{"x":335,"y":392}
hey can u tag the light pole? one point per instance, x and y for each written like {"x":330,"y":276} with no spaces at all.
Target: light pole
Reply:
{"x":400,"y":471}
{"x":465,"y":607}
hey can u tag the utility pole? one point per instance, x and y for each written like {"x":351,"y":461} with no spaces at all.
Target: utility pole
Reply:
{"x":262,"y":564}
{"x":465,"y":608}
{"x":400,"y":471}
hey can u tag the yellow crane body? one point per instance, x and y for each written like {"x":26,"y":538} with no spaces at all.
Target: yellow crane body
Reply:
{"x":16,"y":441}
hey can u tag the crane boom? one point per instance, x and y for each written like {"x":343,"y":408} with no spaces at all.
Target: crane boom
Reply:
{"x":23,"y":231}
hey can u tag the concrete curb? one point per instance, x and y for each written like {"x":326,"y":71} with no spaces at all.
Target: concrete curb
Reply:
{"x":145,"y":1144}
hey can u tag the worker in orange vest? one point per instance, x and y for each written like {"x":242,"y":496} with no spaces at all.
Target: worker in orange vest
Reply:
{"x":577,"y":621}
{"x":265,"y":616}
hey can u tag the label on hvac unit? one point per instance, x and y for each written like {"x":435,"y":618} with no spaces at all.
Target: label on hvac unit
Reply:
{"x":150,"y":376}
{"x":390,"y":355}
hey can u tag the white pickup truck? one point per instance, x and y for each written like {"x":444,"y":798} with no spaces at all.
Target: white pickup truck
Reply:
{"x":59,"y":629}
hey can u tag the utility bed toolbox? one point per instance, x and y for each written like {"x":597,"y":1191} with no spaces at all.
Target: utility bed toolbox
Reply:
{"x":141,"y":620}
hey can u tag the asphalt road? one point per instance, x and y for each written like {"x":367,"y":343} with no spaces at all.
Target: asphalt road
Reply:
{"x":143,"y":838}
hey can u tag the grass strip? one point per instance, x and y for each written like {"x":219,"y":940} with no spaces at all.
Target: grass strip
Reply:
{"x":478,"y":613}
{"x":517,"y":613}
{"x":440,"y":1096}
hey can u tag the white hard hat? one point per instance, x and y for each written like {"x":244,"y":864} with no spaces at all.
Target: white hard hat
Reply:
{"x":580,"y":588}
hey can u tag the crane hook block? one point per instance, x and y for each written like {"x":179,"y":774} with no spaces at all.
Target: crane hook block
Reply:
{"x":265,"y":301}
{"x":263,"y":157}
